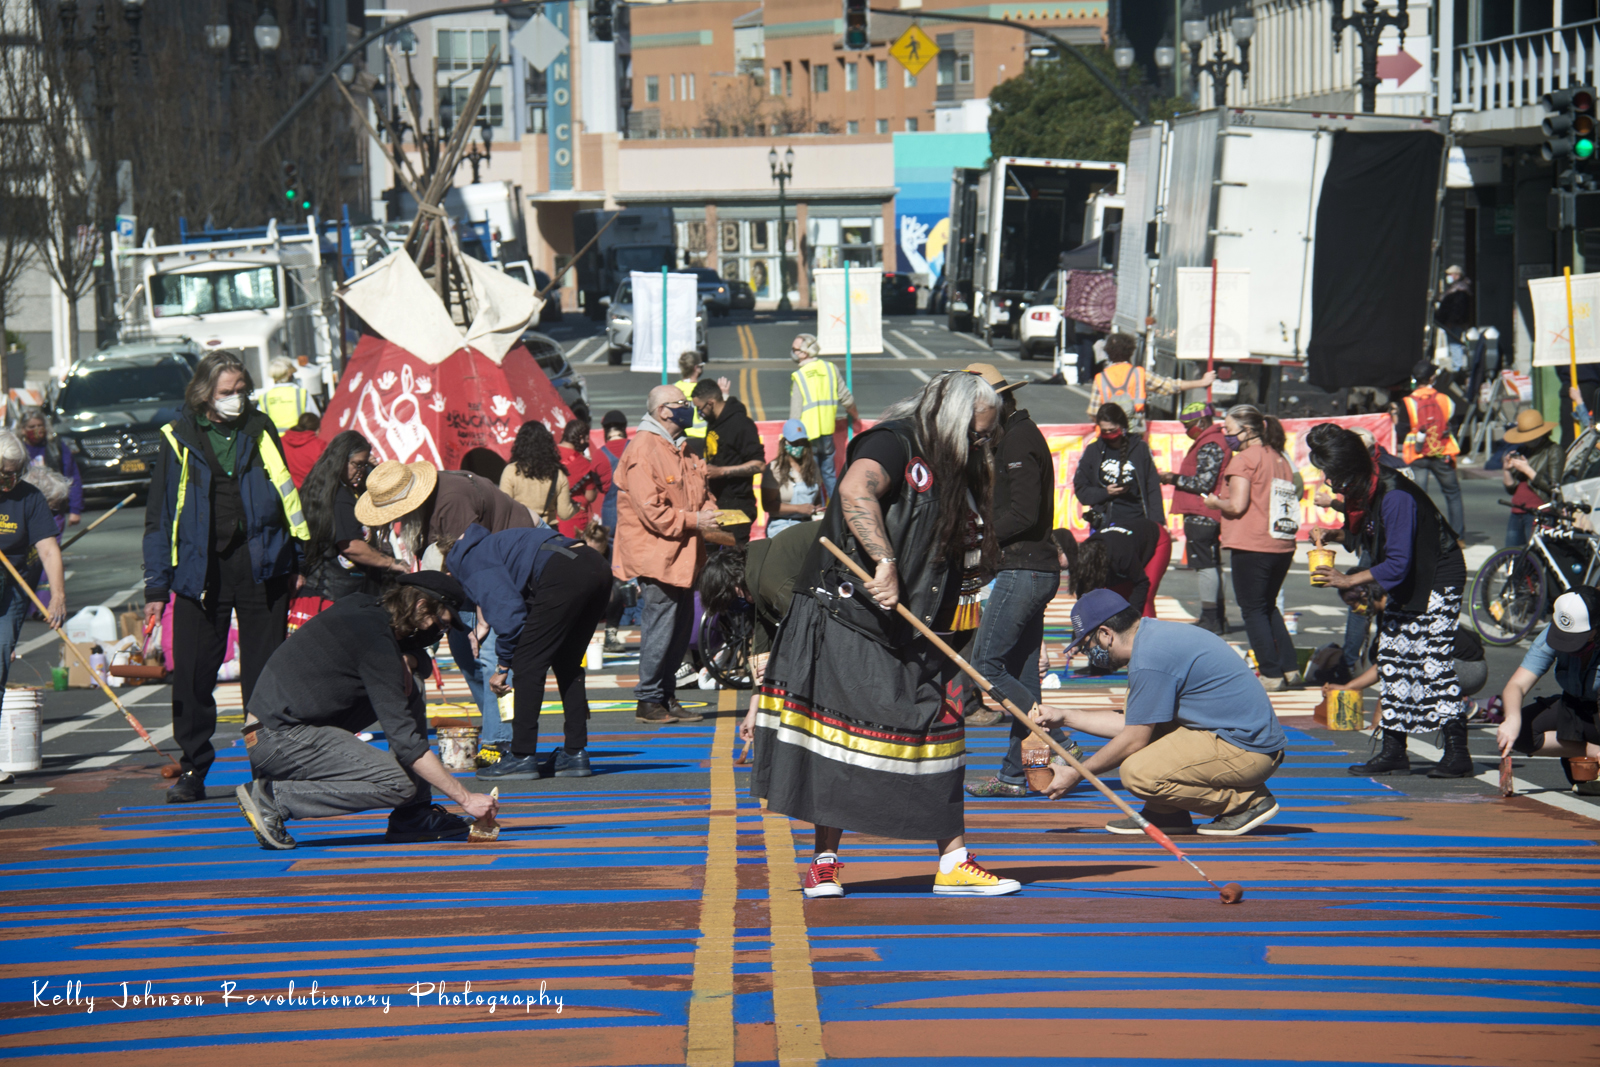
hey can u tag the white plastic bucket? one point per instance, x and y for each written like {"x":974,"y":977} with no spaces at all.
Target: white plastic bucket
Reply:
{"x":20,"y":728}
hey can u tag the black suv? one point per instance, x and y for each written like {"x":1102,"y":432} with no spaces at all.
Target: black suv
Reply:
{"x":110,"y":412}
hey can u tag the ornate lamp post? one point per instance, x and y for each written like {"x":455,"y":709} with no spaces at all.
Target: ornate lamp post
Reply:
{"x":1123,"y":57}
{"x":102,"y":55}
{"x":1241,"y":27}
{"x":476,"y":157}
{"x":1369,"y":26}
{"x":782,"y":175}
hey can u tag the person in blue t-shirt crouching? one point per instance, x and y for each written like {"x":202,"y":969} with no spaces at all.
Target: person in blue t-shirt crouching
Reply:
{"x":1199,"y":734}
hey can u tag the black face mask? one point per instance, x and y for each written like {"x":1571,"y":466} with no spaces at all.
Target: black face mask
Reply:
{"x":1099,"y":658}
{"x":423,"y":640}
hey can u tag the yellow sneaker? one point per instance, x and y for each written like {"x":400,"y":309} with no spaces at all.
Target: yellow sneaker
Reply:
{"x":971,"y":880}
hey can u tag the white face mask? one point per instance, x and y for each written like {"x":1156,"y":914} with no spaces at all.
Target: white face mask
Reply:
{"x":229,"y":407}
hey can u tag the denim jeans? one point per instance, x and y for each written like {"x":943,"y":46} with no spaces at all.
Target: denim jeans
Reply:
{"x":1519,"y":530}
{"x":1257,"y":578}
{"x":666,"y":619}
{"x":316,"y":771}
{"x":1356,"y":628}
{"x":477,"y":671}
{"x":1006,"y":649}
{"x":1444,"y":469}
{"x":14,"y":607}
{"x":822,"y":449}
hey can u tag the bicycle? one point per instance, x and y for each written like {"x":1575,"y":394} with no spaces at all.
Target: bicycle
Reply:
{"x":725,"y":642}
{"x":1513,"y":589}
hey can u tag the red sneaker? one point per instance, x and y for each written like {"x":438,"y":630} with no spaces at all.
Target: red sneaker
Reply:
{"x":822,"y":879}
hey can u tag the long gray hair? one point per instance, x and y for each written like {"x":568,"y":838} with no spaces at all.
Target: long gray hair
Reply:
{"x":941,"y":415}
{"x":203,"y":386}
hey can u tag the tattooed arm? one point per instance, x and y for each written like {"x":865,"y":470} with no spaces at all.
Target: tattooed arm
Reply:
{"x":860,"y":490}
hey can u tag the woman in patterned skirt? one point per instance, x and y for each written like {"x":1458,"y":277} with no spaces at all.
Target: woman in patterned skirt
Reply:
{"x":1419,"y":564}
{"x":857,"y":722}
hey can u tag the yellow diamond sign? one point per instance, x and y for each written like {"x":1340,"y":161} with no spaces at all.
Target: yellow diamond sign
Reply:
{"x":914,"y":50}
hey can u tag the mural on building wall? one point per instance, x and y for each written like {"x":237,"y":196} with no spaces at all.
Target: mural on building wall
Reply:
{"x":922,"y":167}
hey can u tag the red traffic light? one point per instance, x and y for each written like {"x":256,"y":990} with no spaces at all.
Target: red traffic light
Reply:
{"x":1583,"y":100}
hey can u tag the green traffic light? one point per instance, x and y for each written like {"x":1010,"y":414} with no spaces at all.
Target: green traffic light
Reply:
{"x":306,"y":205}
{"x":1584,"y":148}
{"x":288,"y":194}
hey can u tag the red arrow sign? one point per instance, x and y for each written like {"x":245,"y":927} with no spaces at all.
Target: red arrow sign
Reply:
{"x":1398,"y":67}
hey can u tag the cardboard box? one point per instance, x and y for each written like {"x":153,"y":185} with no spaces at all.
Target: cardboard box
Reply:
{"x":77,"y":674}
{"x":131,"y":624}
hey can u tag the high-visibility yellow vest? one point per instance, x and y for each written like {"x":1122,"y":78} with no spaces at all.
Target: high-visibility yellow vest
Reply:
{"x":697,"y":428}
{"x":818,"y":383}
{"x":284,"y":404}
{"x":277,"y":473}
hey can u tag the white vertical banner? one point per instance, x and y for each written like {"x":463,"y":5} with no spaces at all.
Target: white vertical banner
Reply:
{"x":866,"y":310}
{"x":1194,"y":313}
{"x":1550,"y":345}
{"x":682,"y":304}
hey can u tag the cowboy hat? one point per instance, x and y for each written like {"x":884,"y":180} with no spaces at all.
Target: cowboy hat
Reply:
{"x":1530,"y":426}
{"x":988,"y":373}
{"x":395,"y":489}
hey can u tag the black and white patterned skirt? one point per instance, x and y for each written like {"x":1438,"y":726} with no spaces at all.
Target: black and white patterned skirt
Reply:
{"x":1417,"y":665}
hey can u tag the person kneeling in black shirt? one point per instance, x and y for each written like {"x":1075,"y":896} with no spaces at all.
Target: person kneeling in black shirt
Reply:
{"x":357,"y":663}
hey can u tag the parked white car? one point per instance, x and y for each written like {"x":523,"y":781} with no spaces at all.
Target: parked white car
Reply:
{"x":1039,"y":328}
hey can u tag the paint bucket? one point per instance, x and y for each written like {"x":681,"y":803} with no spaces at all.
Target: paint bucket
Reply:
{"x":458,"y":747}
{"x":1319,"y":557}
{"x":20,"y":728}
{"x":594,"y":657}
{"x":1344,"y":710}
{"x":1291,"y":622}
{"x":1035,"y":759}
{"x":1584,"y":768}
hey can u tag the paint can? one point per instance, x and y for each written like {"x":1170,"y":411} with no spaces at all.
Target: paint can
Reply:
{"x":1291,"y":622}
{"x":1035,"y":758}
{"x":1583,"y":768}
{"x":20,"y":729}
{"x":1319,"y":557}
{"x":458,"y":747}
{"x":1345,"y":708}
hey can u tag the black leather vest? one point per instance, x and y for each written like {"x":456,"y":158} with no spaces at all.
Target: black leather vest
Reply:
{"x":911,"y":519}
{"x":1432,"y":541}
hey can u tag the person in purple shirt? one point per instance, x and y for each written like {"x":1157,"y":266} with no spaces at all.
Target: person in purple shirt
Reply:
{"x":1418,"y":562}
{"x":53,"y":453}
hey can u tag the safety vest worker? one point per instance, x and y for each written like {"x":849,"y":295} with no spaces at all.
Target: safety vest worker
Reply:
{"x":285,"y":400}
{"x":689,"y":366}
{"x":1122,"y":384}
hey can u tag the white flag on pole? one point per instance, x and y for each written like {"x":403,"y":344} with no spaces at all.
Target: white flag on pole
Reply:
{"x":683,"y":303}
{"x":1194,"y":313}
{"x":866,"y":310}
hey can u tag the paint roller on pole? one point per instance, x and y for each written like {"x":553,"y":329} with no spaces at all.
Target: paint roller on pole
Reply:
{"x":172,"y":769}
{"x":1231,"y":893}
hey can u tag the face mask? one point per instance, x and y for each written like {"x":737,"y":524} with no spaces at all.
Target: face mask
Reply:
{"x":794,"y":451}
{"x":1099,"y":658}
{"x":1194,"y":432}
{"x":683,"y":416}
{"x":1111,"y":435}
{"x":229,"y":408}
{"x":34,"y":437}
{"x":1232,"y":441}
{"x":423,"y":640}
{"x":8,"y":480}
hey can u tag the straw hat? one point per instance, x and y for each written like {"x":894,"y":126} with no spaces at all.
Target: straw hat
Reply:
{"x":1530,"y":426}
{"x":989,"y":373}
{"x":395,"y":489}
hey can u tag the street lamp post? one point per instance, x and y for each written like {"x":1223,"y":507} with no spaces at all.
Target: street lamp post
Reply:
{"x":782,"y":175}
{"x":1369,"y":26}
{"x":476,"y":157}
{"x":102,"y":53}
{"x":1241,"y":27}
{"x":1123,"y":57}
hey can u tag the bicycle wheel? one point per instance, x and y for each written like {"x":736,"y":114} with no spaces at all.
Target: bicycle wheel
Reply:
{"x":1508,"y":596}
{"x":725,"y":646}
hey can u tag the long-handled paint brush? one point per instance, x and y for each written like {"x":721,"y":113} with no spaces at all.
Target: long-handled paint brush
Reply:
{"x":172,"y":769}
{"x":1231,"y":893}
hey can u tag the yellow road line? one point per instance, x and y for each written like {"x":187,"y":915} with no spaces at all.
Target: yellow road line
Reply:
{"x":710,"y":1038}
{"x":752,"y":353}
{"x":794,"y":990}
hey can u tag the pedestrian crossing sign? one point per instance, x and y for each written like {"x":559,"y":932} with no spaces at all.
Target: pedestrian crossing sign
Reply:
{"x":914,"y":50}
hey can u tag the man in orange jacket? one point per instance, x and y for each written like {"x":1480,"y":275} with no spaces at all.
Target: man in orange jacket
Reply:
{"x":1426,"y":443}
{"x":664,"y":518}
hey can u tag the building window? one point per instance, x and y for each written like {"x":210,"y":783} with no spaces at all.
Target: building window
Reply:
{"x":652,"y":89}
{"x":880,"y":74}
{"x":536,"y":119}
{"x":947,"y":68}
{"x":911,"y":125}
{"x":850,"y":84}
{"x":775,"y":81}
{"x":490,"y":112}
{"x":964,"y":68}
{"x":852,"y":127}
{"x":788,"y":79}
{"x":824,"y":127}
{"x":672,"y":87}
{"x":819,"y":78}
{"x":691,"y":85}
{"x":883,"y":125}
{"x":911,"y":80}
{"x":467,"y":49}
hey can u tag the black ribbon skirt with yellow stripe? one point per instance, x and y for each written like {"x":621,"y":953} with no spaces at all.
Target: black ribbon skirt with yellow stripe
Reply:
{"x":854,"y":735}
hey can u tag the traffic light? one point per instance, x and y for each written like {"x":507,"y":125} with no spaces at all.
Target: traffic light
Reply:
{"x":1569,"y":130}
{"x":601,"y":25}
{"x":292,"y":192}
{"x":855,"y":25}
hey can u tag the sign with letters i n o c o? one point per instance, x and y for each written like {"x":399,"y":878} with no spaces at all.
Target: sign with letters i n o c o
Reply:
{"x":545,"y":44}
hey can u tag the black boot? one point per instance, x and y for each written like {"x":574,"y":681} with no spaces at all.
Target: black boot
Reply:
{"x":1210,"y":619}
{"x":1457,"y":761}
{"x":1391,"y":760}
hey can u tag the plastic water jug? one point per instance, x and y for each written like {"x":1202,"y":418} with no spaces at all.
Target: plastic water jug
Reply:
{"x":94,"y":625}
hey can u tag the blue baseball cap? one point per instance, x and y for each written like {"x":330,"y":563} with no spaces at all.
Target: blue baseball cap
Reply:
{"x":794,"y":430}
{"x":1091,"y":612}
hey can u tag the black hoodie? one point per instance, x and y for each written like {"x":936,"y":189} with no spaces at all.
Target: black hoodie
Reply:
{"x":1024,"y":498}
{"x":732,"y":440}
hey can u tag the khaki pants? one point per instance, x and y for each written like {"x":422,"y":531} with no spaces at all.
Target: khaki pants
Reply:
{"x":1197,"y":771}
